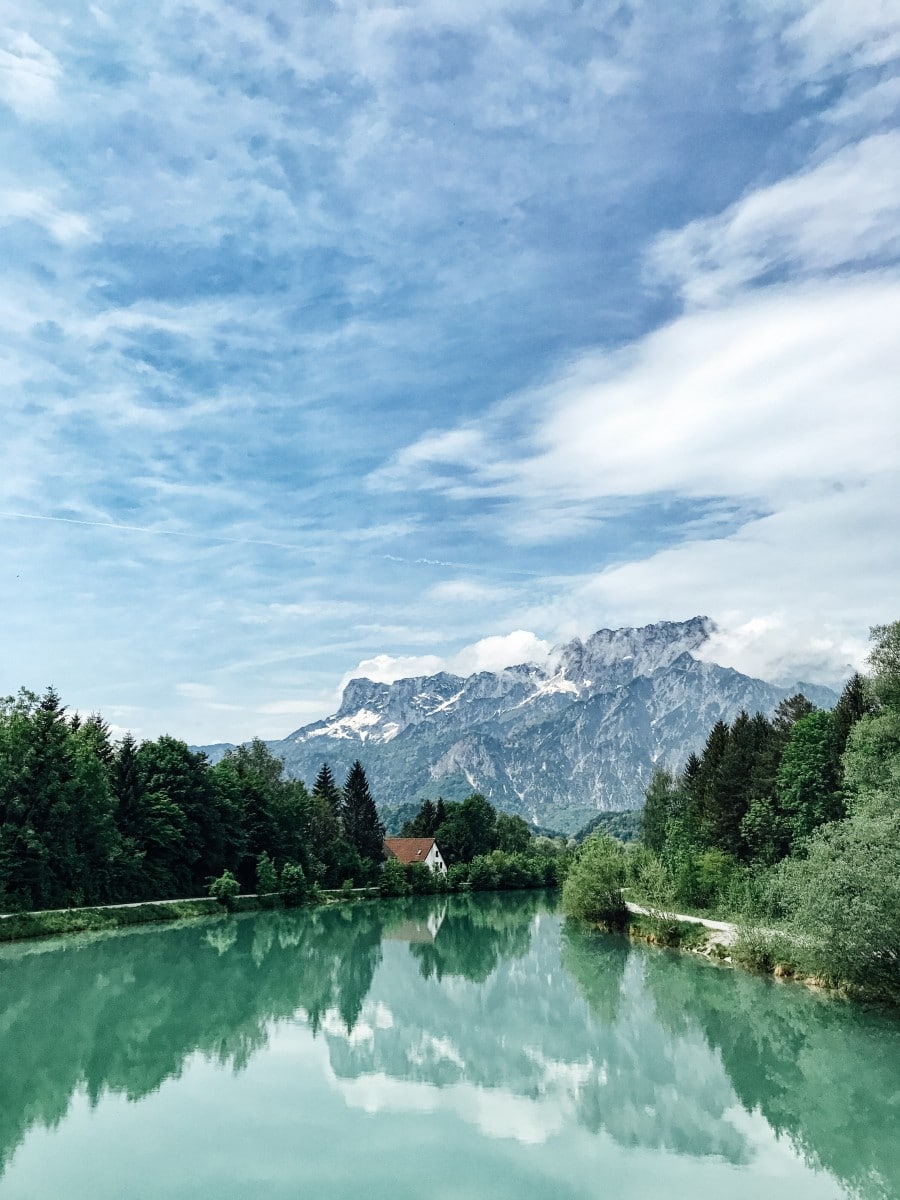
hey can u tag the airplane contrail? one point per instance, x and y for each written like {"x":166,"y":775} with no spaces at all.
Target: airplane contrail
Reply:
{"x":178,"y":533}
{"x":440,"y":562}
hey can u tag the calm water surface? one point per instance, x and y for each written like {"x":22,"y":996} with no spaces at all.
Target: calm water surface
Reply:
{"x":468,"y":1047}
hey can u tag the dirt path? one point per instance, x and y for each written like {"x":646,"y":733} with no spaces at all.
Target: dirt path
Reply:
{"x":724,"y":929}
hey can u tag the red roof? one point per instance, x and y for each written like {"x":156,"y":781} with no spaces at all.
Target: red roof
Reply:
{"x":408,"y":850}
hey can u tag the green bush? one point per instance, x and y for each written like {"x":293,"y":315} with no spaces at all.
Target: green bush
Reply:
{"x":593,"y":888}
{"x":266,"y":876}
{"x":846,"y":903}
{"x":458,"y":877}
{"x":765,"y":949}
{"x":483,"y":874}
{"x":393,"y":881}
{"x":420,"y":878}
{"x":294,"y":887}
{"x":225,"y":889}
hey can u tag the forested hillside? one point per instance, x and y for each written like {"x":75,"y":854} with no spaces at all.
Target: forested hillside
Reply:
{"x":790,"y":825}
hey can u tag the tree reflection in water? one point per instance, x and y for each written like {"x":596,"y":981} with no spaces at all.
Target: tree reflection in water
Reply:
{"x":484,"y":992}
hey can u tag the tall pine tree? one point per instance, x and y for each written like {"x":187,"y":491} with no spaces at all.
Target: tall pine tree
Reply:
{"x":362,"y":828}
{"x":326,"y":789}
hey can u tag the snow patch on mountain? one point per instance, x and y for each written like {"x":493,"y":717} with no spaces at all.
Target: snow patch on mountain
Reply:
{"x":555,"y":741}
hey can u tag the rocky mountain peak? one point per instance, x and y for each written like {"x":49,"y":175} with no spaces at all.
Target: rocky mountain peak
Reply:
{"x":555,"y":741}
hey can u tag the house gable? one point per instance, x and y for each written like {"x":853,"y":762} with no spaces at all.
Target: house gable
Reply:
{"x":410,"y":850}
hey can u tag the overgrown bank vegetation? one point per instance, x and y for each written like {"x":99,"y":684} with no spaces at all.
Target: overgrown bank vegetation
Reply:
{"x":789,"y":827}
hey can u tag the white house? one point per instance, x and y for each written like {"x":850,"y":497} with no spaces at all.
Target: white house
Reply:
{"x":409,"y":850}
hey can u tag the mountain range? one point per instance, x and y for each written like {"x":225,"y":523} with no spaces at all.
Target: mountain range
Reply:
{"x":556,"y":742}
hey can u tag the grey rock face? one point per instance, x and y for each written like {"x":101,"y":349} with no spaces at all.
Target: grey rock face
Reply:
{"x":555,"y":743}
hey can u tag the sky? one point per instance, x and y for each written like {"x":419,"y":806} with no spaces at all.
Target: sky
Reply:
{"x":346,"y":338}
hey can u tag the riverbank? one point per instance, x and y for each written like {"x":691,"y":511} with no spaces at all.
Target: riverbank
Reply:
{"x":55,"y":922}
{"x":762,"y":951}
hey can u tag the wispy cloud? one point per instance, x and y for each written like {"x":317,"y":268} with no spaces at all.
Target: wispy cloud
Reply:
{"x":843,"y":212}
{"x":29,"y":74}
{"x":327,"y":330}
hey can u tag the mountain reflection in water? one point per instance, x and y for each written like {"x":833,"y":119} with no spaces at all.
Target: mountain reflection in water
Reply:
{"x":488,"y":1007}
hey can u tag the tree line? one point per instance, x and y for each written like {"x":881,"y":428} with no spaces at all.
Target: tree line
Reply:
{"x":791,"y":825}
{"x":87,"y":820}
{"x":485,"y":849}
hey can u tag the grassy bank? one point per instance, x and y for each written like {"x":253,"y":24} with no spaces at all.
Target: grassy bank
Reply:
{"x":56,"y":922}
{"x":52,"y":923}
{"x":668,"y":930}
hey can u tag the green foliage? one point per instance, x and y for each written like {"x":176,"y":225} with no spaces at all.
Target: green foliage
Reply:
{"x":765,"y":950}
{"x":424,"y":823}
{"x":362,"y":827}
{"x":274,"y":814}
{"x":653,"y":884}
{"x":469,"y":829}
{"x":884,"y":659}
{"x":625,"y":826}
{"x":88,"y":920}
{"x":225,"y":889}
{"x":808,"y":780}
{"x":421,"y":879}
{"x":86,"y":822}
{"x":393,"y":881}
{"x":266,"y":876}
{"x":871,"y":764}
{"x":794,"y":821}
{"x":659,"y":807}
{"x":513,"y":834}
{"x":846,"y":902}
{"x":593,"y":887}
{"x":294,"y":885}
{"x":458,"y":877}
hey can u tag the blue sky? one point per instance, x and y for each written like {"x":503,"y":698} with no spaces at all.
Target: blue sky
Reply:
{"x":346,"y":338}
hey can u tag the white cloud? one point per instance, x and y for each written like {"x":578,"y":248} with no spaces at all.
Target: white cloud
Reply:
{"x":386,"y":668}
{"x":200,"y":692}
{"x":833,"y":35}
{"x":845,"y":210}
{"x":878,"y":103}
{"x":465,"y":592}
{"x":793,"y":592}
{"x":488,"y":654}
{"x":29,"y":74}
{"x":65,"y":227}
{"x":501,"y":650}
{"x":786,"y":390}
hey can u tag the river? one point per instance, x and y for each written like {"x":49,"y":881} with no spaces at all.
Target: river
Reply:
{"x":471,"y":1046}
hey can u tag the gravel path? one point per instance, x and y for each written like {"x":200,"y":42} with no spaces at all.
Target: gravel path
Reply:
{"x":725,"y":929}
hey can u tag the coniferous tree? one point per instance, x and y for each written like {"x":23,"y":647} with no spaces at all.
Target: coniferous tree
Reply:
{"x":657,"y":810}
{"x":440,"y":813}
{"x":857,"y":700}
{"x":423,"y":824}
{"x":701,"y":806}
{"x":131,"y":820}
{"x":362,"y":827}
{"x":326,"y":789}
{"x":731,"y":795}
{"x":789,"y":712}
{"x":809,"y":782}
{"x":691,"y":771}
{"x":97,"y":736}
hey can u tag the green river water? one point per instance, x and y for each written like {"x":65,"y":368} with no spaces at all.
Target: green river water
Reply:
{"x":445,"y":1047}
